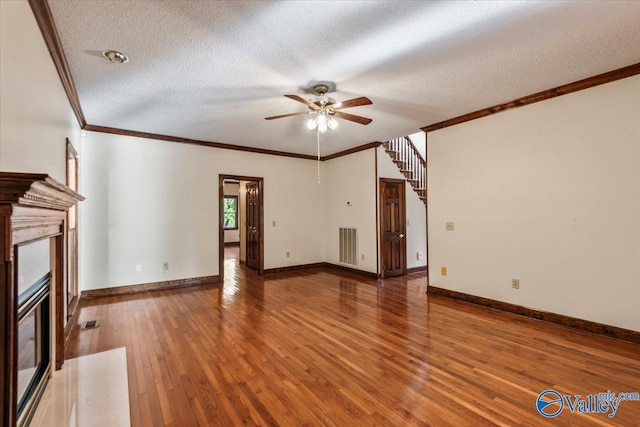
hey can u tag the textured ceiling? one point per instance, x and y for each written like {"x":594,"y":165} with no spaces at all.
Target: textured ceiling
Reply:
{"x":212,"y":70}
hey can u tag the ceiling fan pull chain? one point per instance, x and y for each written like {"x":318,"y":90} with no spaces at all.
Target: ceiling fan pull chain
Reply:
{"x":318,"y":133}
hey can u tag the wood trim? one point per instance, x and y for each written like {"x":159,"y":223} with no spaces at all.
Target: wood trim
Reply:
{"x":326,"y":265}
{"x":232,"y":244}
{"x":377,"y":190}
{"x":43,"y":17}
{"x":150,"y":287}
{"x":293,"y":268}
{"x":351,"y":151}
{"x":417,"y":269}
{"x":58,"y":267}
{"x":71,"y":321}
{"x":159,"y":137}
{"x":221,"y":228}
{"x":8,"y":318}
{"x":426,"y":202}
{"x":587,"y":83}
{"x":351,"y":270}
{"x":72,"y":153}
{"x":559,"y":319}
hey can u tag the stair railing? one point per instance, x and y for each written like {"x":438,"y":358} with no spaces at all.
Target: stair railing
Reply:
{"x":410,"y":162}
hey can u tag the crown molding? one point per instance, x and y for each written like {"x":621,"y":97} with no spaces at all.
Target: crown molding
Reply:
{"x":43,"y":16}
{"x":363,"y":147}
{"x":160,"y":137}
{"x":587,"y":83}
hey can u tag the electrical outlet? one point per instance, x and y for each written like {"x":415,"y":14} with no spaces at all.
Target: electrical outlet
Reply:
{"x":362,"y":257}
{"x":449,"y":226}
{"x":515,"y":283}
{"x":165,"y":266}
{"x":138,"y":268}
{"x":419,"y":255}
{"x":273,"y":223}
{"x":443,"y":271}
{"x":288,"y":254}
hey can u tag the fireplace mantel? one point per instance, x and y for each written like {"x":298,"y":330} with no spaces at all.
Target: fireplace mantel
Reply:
{"x":32,"y":207}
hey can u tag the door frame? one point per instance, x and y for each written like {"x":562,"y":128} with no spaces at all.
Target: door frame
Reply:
{"x":381,"y":182}
{"x":70,"y":275}
{"x":260,"y":181}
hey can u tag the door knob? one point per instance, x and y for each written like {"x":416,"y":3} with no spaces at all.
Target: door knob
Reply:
{"x":401,"y":236}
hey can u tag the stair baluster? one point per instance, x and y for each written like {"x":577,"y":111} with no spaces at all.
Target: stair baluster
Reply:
{"x":409,"y":161}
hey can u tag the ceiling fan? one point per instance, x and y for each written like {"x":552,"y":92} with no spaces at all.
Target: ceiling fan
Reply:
{"x":325,"y":108}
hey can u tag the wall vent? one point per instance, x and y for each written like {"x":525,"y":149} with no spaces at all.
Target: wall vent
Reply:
{"x":348,"y":247}
{"x":89,"y":324}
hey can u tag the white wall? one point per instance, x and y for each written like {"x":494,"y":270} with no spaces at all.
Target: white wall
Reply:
{"x":547,"y":193}
{"x":233,"y":189}
{"x":35,"y":114}
{"x":419,"y":140}
{"x":416,"y":213}
{"x":150,"y":202}
{"x":351,"y":179}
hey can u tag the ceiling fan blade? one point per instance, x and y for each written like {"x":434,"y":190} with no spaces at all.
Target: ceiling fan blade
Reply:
{"x":355,"y":102}
{"x":352,"y":117}
{"x":304,"y":101}
{"x":286,"y":115}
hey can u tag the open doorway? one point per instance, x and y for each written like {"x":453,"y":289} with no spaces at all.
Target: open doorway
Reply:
{"x":233,"y":216}
{"x":241,"y":234}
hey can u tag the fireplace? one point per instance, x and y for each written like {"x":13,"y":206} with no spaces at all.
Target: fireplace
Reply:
{"x":32,"y":217}
{"x":34,"y":361}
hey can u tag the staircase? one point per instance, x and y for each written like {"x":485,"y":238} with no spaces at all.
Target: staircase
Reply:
{"x":409,"y":161}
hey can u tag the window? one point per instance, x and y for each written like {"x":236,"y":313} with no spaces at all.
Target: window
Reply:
{"x":230,"y":212}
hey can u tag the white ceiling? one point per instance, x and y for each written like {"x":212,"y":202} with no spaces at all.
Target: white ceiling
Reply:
{"x":212,"y":70}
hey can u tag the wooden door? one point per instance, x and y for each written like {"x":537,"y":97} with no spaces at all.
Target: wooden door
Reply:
{"x":393,"y":227}
{"x":253,"y":225}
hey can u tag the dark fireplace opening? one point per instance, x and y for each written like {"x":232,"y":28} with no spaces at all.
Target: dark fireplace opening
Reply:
{"x":34,"y":359}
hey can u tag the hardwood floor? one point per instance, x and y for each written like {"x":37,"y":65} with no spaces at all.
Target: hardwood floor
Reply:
{"x":321,"y":347}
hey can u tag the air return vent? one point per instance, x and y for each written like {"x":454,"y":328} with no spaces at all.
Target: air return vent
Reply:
{"x":348,"y":247}
{"x":89,"y":324}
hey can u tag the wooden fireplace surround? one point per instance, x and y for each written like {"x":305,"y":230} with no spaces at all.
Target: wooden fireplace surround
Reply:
{"x":32,"y":207}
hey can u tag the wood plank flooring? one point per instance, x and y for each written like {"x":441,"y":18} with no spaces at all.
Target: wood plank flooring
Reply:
{"x":326,"y":348}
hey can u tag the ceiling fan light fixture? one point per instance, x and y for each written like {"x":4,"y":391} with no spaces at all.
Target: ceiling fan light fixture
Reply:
{"x":312,"y":123}
{"x":322,"y":127}
{"x":332,"y":123}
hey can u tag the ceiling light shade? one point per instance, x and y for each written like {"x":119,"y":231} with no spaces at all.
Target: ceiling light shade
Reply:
{"x":332,"y":123}
{"x":115,"y":56}
{"x":322,"y":119}
{"x":312,"y":123}
{"x":322,"y":127}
